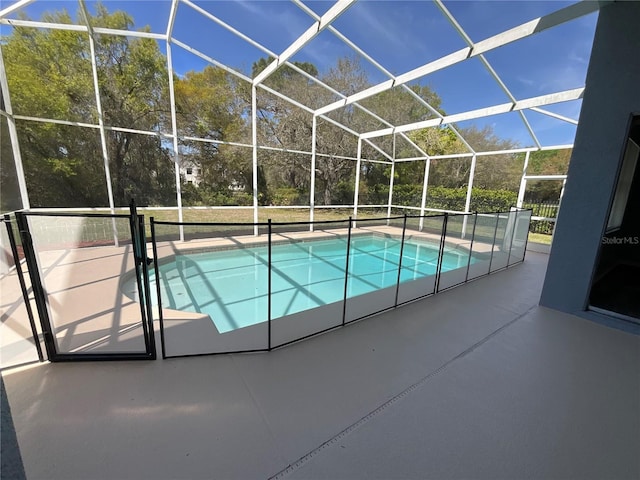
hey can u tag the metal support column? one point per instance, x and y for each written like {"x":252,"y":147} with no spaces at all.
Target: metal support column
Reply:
{"x":555,"y":223}
{"x":13,"y":136}
{"x":312,"y":186}
{"x":391,"y":179}
{"x":23,"y":286}
{"x":467,"y":203}
{"x":393,"y":173}
{"x":357,"y":184}
{"x":254,"y":141}
{"x":103,"y":136}
{"x":174,"y":123}
{"x":523,"y":181}
{"x":425,"y":183}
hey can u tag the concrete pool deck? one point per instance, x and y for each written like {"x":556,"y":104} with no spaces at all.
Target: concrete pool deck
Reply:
{"x":475,"y":382}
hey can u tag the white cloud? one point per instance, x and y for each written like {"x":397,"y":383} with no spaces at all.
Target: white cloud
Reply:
{"x":279,"y":17}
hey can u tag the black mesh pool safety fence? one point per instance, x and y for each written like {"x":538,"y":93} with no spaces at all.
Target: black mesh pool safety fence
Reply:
{"x":247,"y":287}
{"x":11,"y":266}
{"x":87,"y":273}
{"x":235,"y":287}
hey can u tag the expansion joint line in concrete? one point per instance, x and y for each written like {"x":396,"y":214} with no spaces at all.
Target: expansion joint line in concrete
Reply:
{"x":374,"y":413}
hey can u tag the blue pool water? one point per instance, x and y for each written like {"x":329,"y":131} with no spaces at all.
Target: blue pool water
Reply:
{"x":231,"y":285}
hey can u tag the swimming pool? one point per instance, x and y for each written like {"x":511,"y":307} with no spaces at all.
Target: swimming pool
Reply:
{"x":231,"y":286}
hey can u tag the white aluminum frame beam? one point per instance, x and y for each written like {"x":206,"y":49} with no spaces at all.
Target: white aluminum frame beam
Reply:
{"x":254,"y":155}
{"x":262,"y":86}
{"x":537,"y":25}
{"x":308,"y":110}
{"x":207,"y":58}
{"x":80,"y":28}
{"x":268,"y":52}
{"x":336,"y":92}
{"x":264,"y":147}
{"x":312,"y":186}
{"x":13,"y":136}
{"x":174,"y":122}
{"x":414,"y":159}
{"x":228,"y":27}
{"x":523,"y":181}
{"x":472,"y":172}
{"x":391,"y":179}
{"x":504,"y":152}
{"x":379,"y":150}
{"x":323,"y":22}
{"x":527,"y":103}
{"x":487,"y":66}
{"x":265,"y":50}
{"x":96,"y":88}
{"x":425,"y":186}
{"x":356,"y":189}
{"x":383,"y":162}
{"x":369,"y":58}
{"x":103,"y":135}
{"x":168,"y":36}
{"x":15,"y":7}
{"x":555,"y":115}
{"x":545,"y":177}
{"x":94,"y":126}
{"x":540,"y":24}
{"x":170,"y":136}
{"x":314,"y":30}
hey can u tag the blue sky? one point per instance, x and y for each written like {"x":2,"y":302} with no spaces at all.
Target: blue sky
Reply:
{"x":400,"y":35}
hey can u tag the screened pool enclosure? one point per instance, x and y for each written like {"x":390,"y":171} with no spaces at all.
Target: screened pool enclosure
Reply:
{"x":400,"y":121}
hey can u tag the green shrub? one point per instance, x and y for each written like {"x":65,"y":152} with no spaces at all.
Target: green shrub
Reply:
{"x":482,"y":200}
{"x":286,"y":196}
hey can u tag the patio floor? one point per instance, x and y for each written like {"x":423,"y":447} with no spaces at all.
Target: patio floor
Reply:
{"x":475,"y":382}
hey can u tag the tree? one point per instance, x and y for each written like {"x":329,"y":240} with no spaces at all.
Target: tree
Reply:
{"x":547,"y":162}
{"x":208,"y":106}
{"x":497,"y":172}
{"x":9,"y":191}
{"x":286,"y":126}
{"x":133,"y":84}
{"x":50,"y":76}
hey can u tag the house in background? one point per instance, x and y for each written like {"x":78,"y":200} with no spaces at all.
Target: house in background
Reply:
{"x":191,"y":173}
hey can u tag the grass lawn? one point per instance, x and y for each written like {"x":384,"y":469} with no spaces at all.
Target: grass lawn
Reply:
{"x":540,"y":238}
{"x":242,"y":215}
{"x":59,"y":230}
{"x":245,"y":215}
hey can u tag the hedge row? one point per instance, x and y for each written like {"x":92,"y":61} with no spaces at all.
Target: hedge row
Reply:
{"x":444,"y":198}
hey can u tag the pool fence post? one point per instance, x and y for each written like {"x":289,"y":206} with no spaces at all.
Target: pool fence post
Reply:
{"x":269,"y":287}
{"x":23,"y":286}
{"x":146,"y":261}
{"x":37,"y":288}
{"x":346,"y":274}
{"x":404,"y":229}
{"x":513,"y":230}
{"x":526,"y":237}
{"x":441,"y":251}
{"x":139,"y":259}
{"x":158,"y":281}
{"x":473,"y":236}
{"x":493,"y":245}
